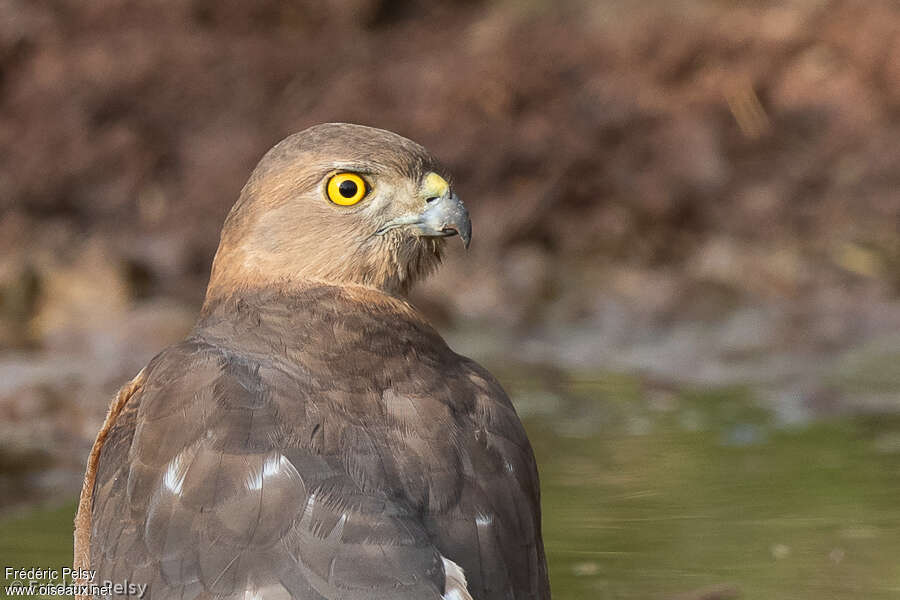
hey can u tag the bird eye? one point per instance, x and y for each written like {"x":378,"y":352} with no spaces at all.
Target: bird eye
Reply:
{"x":346,"y":189}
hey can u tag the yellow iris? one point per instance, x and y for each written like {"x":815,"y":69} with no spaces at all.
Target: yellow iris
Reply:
{"x":346,"y":189}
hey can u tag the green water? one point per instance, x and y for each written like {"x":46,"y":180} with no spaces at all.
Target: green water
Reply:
{"x":654,"y":494}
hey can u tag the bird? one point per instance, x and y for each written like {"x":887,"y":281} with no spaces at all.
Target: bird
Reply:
{"x":313,"y":437}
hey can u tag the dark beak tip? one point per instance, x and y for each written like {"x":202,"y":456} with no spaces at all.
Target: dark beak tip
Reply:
{"x":465,"y":234}
{"x":464,"y":226}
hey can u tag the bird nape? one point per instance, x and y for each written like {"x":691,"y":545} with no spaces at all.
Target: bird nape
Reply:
{"x":314,"y":437}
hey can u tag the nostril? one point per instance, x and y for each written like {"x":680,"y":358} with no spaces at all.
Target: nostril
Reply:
{"x":432,"y":199}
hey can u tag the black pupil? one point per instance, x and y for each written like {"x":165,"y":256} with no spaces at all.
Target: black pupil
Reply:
{"x":347,"y":188}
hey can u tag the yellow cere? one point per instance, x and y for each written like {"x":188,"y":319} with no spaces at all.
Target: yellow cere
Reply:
{"x":434,"y":186}
{"x":346,"y":189}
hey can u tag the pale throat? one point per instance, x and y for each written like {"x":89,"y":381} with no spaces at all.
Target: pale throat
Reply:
{"x":390,"y":264}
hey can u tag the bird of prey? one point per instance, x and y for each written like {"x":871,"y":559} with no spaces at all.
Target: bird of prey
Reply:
{"x":314,"y":437}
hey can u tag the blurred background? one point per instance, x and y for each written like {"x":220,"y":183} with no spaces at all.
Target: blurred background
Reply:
{"x":685,"y":266}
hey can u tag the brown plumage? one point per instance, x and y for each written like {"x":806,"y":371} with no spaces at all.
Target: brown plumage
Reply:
{"x":314,"y":437}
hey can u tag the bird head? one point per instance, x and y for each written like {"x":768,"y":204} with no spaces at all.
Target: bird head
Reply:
{"x":342,"y":204}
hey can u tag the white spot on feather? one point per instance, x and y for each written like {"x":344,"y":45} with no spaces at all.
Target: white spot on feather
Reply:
{"x":455,"y":586}
{"x":175,"y":473}
{"x":274,"y":465}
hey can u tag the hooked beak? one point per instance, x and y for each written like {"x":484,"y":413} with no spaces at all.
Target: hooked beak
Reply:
{"x":444,"y":216}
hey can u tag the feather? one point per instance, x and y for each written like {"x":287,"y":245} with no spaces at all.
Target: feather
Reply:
{"x":315,"y":440}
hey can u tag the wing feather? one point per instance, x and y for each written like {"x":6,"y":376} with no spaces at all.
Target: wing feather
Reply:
{"x":317,"y":450}
{"x":218,"y":505}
